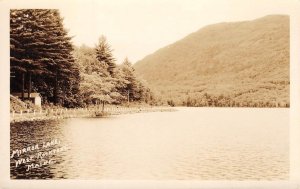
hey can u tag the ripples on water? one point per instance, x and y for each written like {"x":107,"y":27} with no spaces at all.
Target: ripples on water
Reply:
{"x":191,"y":144}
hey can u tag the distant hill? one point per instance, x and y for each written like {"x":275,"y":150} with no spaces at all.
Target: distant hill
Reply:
{"x":227,"y":64}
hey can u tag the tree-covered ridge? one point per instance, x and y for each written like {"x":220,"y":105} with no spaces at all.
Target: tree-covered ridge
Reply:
{"x":227,"y":64}
{"x":44,"y":60}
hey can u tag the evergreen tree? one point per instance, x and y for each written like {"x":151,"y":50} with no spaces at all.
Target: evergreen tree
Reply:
{"x":96,"y":84}
{"x":23,"y":31}
{"x":41,"y":47}
{"x":131,"y":89}
{"x":104,"y":55}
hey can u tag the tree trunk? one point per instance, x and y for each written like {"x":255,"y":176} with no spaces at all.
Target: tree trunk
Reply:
{"x":128,"y":98}
{"x":103,"y":106}
{"x":29,"y":85}
{"x":56,"y":88}
{"x":23,"y":83}
{"x":63,"y":93}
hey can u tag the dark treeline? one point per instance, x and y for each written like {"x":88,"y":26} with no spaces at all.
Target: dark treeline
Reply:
{"x":209,"y":100}
{"x":44,"y":60}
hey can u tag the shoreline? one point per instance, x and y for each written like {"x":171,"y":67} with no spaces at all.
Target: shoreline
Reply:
{"x":81,"y":113}
{"x":56,"y":114}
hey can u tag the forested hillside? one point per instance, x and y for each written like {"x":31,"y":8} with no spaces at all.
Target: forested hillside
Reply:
{"x":227,"y":64}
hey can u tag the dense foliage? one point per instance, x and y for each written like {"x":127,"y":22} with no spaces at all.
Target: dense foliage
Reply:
{"x":102,"y":81}
{"x":43,"y":60}
{"x":41,"y":53}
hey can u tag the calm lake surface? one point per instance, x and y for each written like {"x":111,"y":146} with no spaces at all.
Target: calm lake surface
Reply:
{"x":191,"y":143}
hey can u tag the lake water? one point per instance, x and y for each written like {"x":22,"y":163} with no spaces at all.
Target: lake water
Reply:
{"x":188,"y":144}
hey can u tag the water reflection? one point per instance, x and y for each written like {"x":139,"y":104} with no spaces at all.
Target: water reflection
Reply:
{"x":193,"y":143}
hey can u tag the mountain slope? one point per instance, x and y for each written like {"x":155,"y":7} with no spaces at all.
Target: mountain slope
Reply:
{"x":244,"y":63}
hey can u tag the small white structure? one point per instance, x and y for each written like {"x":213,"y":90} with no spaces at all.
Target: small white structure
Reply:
{"x":35,"y":98}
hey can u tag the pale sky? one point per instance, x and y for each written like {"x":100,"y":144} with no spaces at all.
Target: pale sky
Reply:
{"x":136,"y":28}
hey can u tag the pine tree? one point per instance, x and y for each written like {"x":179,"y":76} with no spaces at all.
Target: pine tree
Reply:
{"x":23,"y":25}
{"x":96,"y":85}
{"x":41,"y":47}
{"x":66,"y":72}
{"x":104,"y":55}
{"x":129,"y":77}
{"x":134,"y":86}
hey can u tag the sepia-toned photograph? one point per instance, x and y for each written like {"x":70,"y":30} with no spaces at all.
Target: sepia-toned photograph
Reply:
{"x":149,"y":90}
